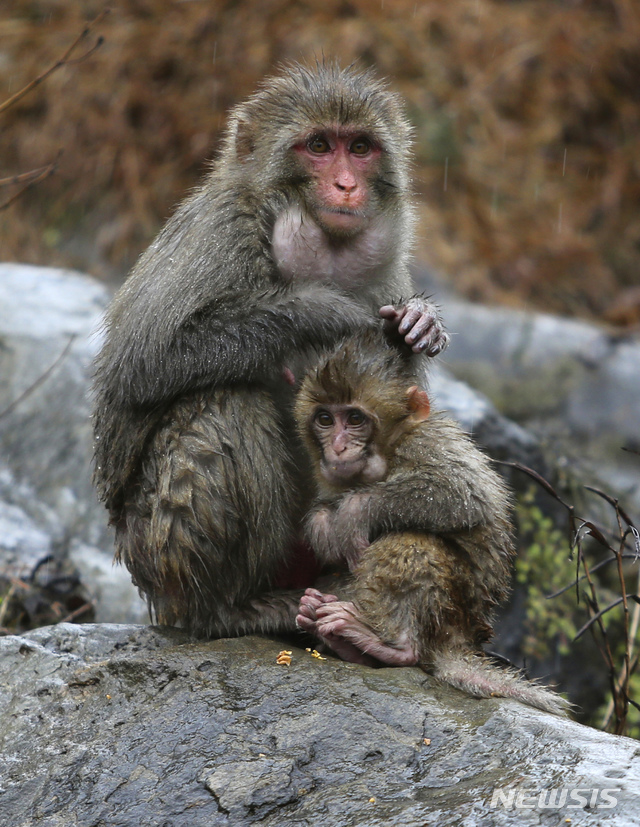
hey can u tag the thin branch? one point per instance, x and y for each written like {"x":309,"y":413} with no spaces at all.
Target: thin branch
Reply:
{"x":599,"y":614}
{"x":65,"y":60}
{"x":40,"y":379}
{"x":613,"y":501}
{"x":86,"y":607}
{"x":38,"y":175}
{"x":539,"y":479}
{"x":597,"y":566}
{"x":23,"y":177}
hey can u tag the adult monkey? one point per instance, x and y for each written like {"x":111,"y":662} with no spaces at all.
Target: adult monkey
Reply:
{"x":298,"y":236}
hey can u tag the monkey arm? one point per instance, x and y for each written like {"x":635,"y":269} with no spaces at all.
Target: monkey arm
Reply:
{"x":240,"y":336}
{"x":439,"y":483}
{"x":414,"y":503}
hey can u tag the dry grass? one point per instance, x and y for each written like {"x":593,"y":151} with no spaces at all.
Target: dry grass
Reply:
{"x":527,"y":120}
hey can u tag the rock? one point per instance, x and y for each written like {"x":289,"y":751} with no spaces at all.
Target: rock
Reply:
{"x":49,"y":334}
{"x":499,"y":436}
{"x":48,"y":337}
{"x":536,"y":364}
{"x":126,"y":725}
{"x":570,"y":383}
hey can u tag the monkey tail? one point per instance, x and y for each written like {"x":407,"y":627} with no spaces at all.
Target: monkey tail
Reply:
{"x":477,"y":676}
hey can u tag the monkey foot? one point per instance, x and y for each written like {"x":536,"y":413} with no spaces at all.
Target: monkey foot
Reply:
{"x":310,"y":602}
{"x":307,"y":620}
{"x":340,"y":626}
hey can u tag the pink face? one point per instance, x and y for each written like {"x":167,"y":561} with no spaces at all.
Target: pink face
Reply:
{"x":342,"y":163}
{"x":346,"y":436}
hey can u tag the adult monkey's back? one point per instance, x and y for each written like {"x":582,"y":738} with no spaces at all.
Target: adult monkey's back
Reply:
{"x":298,"y":236}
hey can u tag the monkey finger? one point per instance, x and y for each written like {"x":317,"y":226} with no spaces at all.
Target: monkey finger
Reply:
{"x":308,"y":607}
{"x":391,"y":313}
{"x":323,"y":598}
{"x":336,"y":609}
{"x":434,"y":341}
{"x":392,"y":317}
{"x":289,"y":376}
{"x":306,"y":624}
{"x":313,"y":593}
{"x":410,"y":318}
{"x":423,"y":327}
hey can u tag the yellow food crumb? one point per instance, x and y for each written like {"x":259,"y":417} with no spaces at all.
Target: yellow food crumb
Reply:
{"x":426,"y":741}
{"x":284,"y":658}
{"x":372,"y":801}
{"x":316,"y":654}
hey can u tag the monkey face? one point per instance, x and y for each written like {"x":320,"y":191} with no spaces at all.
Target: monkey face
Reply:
{"x":341,"y":165}
{"x":345,"y":436}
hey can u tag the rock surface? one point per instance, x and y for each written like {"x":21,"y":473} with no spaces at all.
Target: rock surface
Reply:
{"x":136,"y":726}
{"x":571,"y":383}
{"x":49,"y":334}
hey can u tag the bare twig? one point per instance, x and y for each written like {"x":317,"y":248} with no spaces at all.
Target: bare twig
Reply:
{"x":626,"y":530}
{"x":35,"y":176}
{"x":595,"y":568}
{"x":65,"y":60}
{"x":600,"y":612}
{"x":86,"y":607}
{"x":42,"y":378}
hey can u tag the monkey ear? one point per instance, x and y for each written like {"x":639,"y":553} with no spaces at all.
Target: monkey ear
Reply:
{"x":419,"y":404}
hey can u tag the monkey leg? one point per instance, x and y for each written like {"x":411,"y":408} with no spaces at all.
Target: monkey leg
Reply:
{"x":422,"y":587}
{"x":312,"y":618}
{"x":409,"y":597}
{"x":210,"y":521}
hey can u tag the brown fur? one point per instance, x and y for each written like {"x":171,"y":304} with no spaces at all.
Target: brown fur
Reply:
{"x":429,"y":546}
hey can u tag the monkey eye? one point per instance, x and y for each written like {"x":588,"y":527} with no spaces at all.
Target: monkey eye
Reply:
{"x":319,"y":145}
{"x":356,"y":418}
{"x":360,"y":146}
{"x":323,"y":419}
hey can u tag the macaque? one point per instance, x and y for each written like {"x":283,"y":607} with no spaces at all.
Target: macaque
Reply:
{"x":299,"y":236}
{"x":414,"y":511}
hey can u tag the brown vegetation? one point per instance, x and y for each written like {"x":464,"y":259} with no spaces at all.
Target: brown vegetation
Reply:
{"x":527,"y":120}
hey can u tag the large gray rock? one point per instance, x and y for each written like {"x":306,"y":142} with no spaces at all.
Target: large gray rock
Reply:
{"x":502,"y":438}
{"x":572,"y":384}
{"x":49,"y":335}
{"x":536,"y":364}
{"x":128,"y":726}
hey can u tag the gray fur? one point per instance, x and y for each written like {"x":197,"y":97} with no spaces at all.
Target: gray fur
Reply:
{"x":191,"y":409}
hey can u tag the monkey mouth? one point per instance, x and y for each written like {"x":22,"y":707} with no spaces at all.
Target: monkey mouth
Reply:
{"x":345,"y":219}
{"x":343,"y":471}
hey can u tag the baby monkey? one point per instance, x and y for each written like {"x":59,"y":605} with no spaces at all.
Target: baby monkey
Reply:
{"x":416,"y":514}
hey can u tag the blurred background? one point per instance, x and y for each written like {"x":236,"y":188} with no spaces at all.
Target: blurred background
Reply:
{"x":527,"y":117}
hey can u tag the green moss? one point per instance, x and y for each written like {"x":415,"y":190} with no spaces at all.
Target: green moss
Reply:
{"x":543,"y":569}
